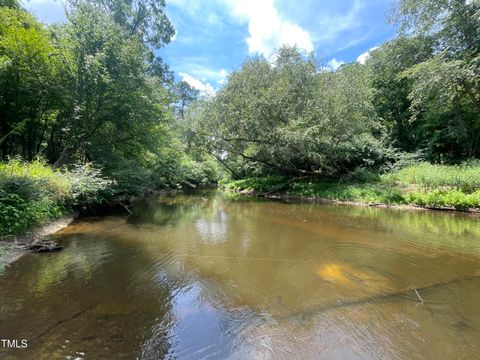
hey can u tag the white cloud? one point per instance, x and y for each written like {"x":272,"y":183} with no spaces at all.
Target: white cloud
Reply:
{"x":214,"y":20}
{"x":197,"y":67}
{"x":362,"y":58}
{"x":204,"y":87}
{"x":354,"y":42}
{"x":334,"y":24}
{"x":334,"y":64}
{"x":267,"y":29}
{"x":223,"y":76}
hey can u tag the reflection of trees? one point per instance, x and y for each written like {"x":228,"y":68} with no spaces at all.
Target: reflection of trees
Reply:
{"x":78,"y":261}
{"x":258,"y":254}
{"x":169,"y":209}
{"x":126,"y":304}
{"x":431,"y":228}
{"x":250,"y":263}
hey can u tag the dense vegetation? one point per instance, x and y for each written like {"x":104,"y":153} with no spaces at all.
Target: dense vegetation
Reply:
{"x":93,"y":101}
{"x":427,"y":185}
{"x":417,"y":97}
{"x":31,"y":193}
{"x":93,"y":90}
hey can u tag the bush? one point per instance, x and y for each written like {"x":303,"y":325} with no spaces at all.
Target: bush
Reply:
{"x":445,"y":198}
{"x":88,"y":185}
{"x":32,"y":193}
{"x":439,"y":186}
{"x":362,"y":175}
{"x":33,"y":180}
{"x":261,"y":184}
{"x":464,"y":177}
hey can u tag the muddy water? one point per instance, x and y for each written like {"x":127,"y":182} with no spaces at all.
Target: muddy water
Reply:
{"x":209,"y":277}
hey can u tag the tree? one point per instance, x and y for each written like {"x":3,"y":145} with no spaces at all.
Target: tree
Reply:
{"x":93,"y":90}
{"x":112,"y":101}
{"x":391,"y":89}
{"x":144,"y":19}
{"x":291,"y":118}
{"x":455,"y":23}
{"x":14,"y":4}
{"x":185,"y":95}
{"x":446,"y":87}
{"x":29,"y":91}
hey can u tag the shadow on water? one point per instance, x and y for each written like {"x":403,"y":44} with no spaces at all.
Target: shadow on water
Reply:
{"x":92,"y":295}
{"x":209,"y":275}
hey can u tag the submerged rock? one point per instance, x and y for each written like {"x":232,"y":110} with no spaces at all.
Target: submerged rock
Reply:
{"x":44,"y":247}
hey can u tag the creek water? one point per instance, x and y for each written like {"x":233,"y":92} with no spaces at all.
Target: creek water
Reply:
{"x":215,"y":276}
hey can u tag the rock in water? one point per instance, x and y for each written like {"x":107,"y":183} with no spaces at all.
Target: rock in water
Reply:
{"x":45,"y":247}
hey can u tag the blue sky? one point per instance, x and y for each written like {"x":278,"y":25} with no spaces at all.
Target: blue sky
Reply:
{"x":214,"y":37}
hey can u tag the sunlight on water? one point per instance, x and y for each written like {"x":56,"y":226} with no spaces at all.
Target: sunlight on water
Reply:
{"x":334,"y":273}
{"x":204,"y":276}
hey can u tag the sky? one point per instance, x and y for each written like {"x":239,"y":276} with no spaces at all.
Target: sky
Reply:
{"x":214,"y":37}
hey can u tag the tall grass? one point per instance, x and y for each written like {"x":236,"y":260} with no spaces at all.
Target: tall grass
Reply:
{"x":32,"y":193}
{"x":423,"y":184}
{"x":464,"y":177}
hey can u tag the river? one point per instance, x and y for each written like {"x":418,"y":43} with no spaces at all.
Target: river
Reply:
{"x":217,"y":276}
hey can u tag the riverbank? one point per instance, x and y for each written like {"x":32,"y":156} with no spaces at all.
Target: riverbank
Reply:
{"x":32,"y":194}
{"x":423,"y":186}
{"x":13,"y":247}
{"x":37,"y":199}
{"x":319,"y":200}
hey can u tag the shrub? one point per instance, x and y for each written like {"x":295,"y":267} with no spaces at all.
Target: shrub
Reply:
{"x":32,"y":193}
{"x":464,"y":177}
{"x":445,"y":198}
{"x":88,"y":185}
{"x":454,"y":186}
{"x":262,"y":184}
{"x":362,"y":175}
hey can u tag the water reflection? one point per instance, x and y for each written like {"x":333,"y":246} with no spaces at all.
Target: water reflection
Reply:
{"x":202,"y":276}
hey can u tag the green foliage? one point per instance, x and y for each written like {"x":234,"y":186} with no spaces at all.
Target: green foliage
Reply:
{"x":444,"y":198}
{"x":443,"y":93}
{"x":30,"y":68}
{"x":391,"y":89}
{"x":203,"y":173}
{"x":143,"y":19}
{"x":18,"y":214}
{"x":33,"y":180}
{"x":363,"y":175}
{"x":10,"y":3}
{"x":424,"y":184}
{"x":113,"y":106}
{"x":88,"y":185}
{"x":292,"y":118}
{"x":331,"y":189}
{"x":185,"y":94}
{"x":455,"y":23}
{"x":260,"y":184}
{"x":32,"y":193}
{"x":91,"y":90}
{"x":370,"y":193}
{"x":464,"y":177}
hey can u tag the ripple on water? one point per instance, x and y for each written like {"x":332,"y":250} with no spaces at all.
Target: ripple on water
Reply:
{"x":202,"y":277}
